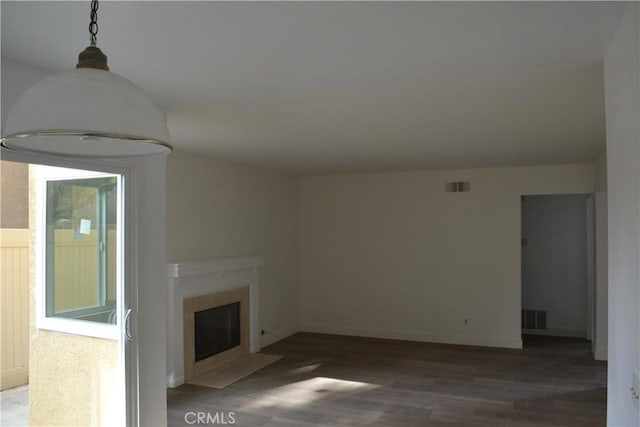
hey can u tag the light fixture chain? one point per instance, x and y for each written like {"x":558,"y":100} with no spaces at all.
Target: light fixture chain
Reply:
{"x":93,"y":25}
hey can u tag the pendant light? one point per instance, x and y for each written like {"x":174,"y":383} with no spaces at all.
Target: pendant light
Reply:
{"x":87,"y":112}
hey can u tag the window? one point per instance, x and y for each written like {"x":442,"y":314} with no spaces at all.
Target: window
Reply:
{"x":81,"y":243}
{"x":80,"y":239}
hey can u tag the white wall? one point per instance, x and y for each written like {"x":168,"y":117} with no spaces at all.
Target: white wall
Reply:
{"x":622,"y":97}
{"x":554,"y":261}
{"x":600,"y":341}
{"x":393,"y":255}
{"x":217,"y":208}
{"x":152,"y":281}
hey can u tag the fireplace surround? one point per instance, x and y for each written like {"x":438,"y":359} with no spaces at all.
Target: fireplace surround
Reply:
{"x":217,"y":276}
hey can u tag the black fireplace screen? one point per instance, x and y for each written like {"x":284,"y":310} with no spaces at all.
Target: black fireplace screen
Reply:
{"x":217,"y":329}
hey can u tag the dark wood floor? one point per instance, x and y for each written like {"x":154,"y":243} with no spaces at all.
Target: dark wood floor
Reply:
{"x":328,"y":380}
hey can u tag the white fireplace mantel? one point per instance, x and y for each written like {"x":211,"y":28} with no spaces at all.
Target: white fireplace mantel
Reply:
{"x":196,"y":278}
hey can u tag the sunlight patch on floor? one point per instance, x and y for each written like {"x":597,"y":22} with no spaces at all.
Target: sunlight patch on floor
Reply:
{"x":304,"y":369}
{"x":305,"y":392}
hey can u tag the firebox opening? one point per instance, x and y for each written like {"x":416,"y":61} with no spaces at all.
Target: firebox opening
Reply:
{"x":216,"y":330}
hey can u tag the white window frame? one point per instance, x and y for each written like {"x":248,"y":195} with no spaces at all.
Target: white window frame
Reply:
{"x":45,"y":174}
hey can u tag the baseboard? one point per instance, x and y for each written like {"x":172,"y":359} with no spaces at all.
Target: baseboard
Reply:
{"x":571,"y":333}
{"x":600,"y":354}
{"x":272,"y":337}
{"x":175,"y":382}
{"x":484,"y":341}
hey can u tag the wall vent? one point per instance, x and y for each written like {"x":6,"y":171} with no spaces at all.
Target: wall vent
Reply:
{"x":534,"y":319}
{"x":458,"y":187}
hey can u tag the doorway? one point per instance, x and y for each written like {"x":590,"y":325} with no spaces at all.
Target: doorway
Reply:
{"x":76,"y":309}
{"x":558,"y":265}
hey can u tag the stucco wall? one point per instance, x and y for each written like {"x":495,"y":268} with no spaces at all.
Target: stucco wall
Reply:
{"x":14,"y":200}
{"x":73,"y":381}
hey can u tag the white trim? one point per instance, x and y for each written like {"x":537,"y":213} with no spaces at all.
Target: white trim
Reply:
{"x":272,"y":337}
{"x":571,"y":333}
{"x":202,"y":268}
{"x":601,"y":299}
{"x":590,"y":255}
{"x":174,"y":380}
{"x":600,"y":355}
{"x":476,"y":340}
{"x":129,"y":347}
{"x":77,"y":327}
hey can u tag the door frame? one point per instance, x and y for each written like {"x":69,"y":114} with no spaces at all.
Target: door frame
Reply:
{"x":590,"y":235}
{"x":129,"y":301}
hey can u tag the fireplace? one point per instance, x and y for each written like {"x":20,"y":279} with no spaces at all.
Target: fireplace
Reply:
{"x":204,"y":280}
{"x":216,"y":330}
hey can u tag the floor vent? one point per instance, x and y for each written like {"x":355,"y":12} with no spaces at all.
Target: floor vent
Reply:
{"x":534,"y":319}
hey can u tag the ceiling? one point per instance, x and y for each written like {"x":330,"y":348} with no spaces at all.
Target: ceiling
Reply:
{"x":326,"y":87}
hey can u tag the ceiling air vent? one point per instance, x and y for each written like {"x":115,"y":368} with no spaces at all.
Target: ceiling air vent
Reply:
{"x":458,"y":187}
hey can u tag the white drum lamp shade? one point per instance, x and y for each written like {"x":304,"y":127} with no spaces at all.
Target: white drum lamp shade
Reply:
{"x":87,"y":113}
